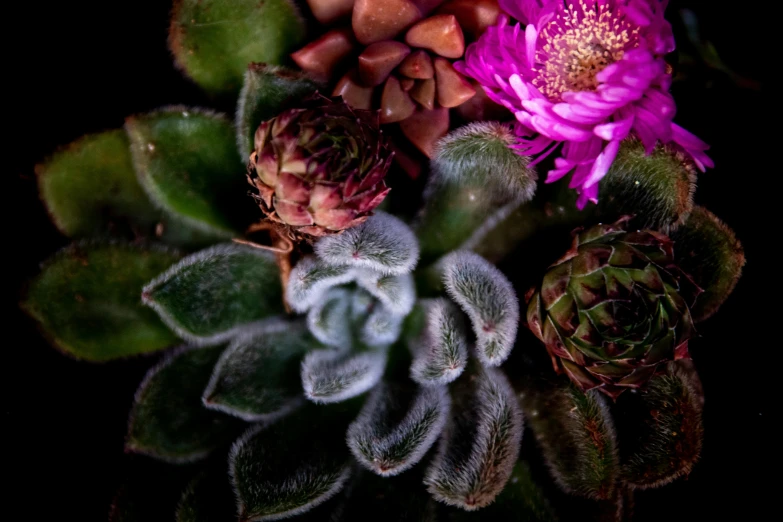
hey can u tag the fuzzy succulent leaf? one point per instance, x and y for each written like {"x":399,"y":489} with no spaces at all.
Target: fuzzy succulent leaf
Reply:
{"x":480,"y":444}
{"x":213,"y":41}
{"x":186,"y":161}
{"x":90,"y":188}
{"x":334,"y":376}
{"x":381,"y":328}
{"x":383,"y":243}
{"x":397,"y":426}
{"x":520,"y":501}
{"x":441,"y":352}
{"x":266,"y":91}
{"x":475,"y":176}
{"x":329,"y":319}
{"x":86,"y":300}
{"x":576,"y":435}
{"x":661,"y":432}
{"x":273,"y":482}
{"x":311,"y":278}
{"x":257,"y":377}
{"x":707,"y":250}
{"x":207,"y":498}
{"x":657,"y":188}
{"x":168,"y":420}
{"x":488,"y":297}
{"x":397,"y":293}
{"x":211,"y":295}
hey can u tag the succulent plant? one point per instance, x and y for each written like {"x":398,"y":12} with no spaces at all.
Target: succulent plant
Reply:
{"x":319,"y":170}
{"x":614,"y":308}
{"x":387,"y":377}
{"x":398,"y":56}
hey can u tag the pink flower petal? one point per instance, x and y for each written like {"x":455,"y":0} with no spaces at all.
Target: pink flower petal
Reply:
{"x":531,"y":36}
{"x":616,"y":130}
{"x":602,"y":163}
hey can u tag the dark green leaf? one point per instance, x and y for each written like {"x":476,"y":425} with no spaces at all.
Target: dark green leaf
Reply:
{"x":476,"y":179}
{"x":214,"y":41}
{"x":661,"y":430}
{"x":168,"y":420}
{"x":86,"y":300}
{"x":576,"y":435}
{"x":267,"y":91}
{"x":290,"y":467}
{"x":707,"y":250}
{"x":186,"y":161}
{"x":257,"y":377}
{"x":210,"y":296}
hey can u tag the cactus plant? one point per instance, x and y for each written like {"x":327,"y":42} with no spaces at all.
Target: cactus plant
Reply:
{"x":366,"y":362}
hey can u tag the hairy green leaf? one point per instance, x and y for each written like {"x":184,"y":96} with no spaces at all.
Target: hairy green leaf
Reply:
{"x":210,"y":296}
{"x":707,"y":250}
{"x":86,"y":299}
{"x":266,"y":92}
{"x":186,"y":161}
{"x":287,"y":468}
{"x":335,"y":376}
{"x":441,"y":352}
{"x":168,"y":420}
{"x":214,"y":41}
{"x":257,"y":377}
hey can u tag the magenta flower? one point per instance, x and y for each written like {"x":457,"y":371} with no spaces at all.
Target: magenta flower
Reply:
{"x":585,"y":75}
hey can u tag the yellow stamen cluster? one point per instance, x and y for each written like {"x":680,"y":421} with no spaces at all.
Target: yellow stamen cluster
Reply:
{"x":580,"y":42}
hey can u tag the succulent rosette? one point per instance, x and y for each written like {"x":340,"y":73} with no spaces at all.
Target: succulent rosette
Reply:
{"x":320,"y":170}
{"x":585,"y":76}
{"x":614,"y":308}
{"x":368,"y":364}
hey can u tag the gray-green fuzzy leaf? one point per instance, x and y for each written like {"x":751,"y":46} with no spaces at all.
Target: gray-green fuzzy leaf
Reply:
{"x":488,"y":297}
{"x":397,"y":293}
{"x":383,"y":243}
{"x":310,"y":279}
{"x":257,"y":377}
{"x":266,"y":92}
{"x":441,"y":352}
{"x":286,"y":469}
{"x":397,"y":426}
{"x":481,"y":442}
{"x":334,"y":376}
{"x":212,"y":295}
{"x":213,"y":41}
{"x":86,"y":300}
{"x":186,"y":161}
{"x":329,"y":320}
{"x":168,"y":421}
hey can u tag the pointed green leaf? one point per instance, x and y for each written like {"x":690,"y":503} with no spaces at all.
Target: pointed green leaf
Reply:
{"x":212,"y":295}
{"x":186,"y":161}
{"x":441,"y":352}
{"x":657,"y":189}
{"x":475,"y":175}
{"x":397,"y":426}
{"x":86,"y":299}
{"x":257,"y":377}
{"x":214,"y":41}
{"x":90,"y":188}
{"x":289,"y":467}
{"x":520,"y":501}
{"x":334,"y":376}
{"x":266,"y":92}
{"x":661,"y":430}
{"x":707,"y":250}
{"x":480,"y":444}
{"x":576,"y":435}
{"x":168,"y":420}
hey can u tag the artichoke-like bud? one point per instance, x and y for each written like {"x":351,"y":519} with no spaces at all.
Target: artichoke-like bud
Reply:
{"x":319,"y":170}
{"x":614,"y":308}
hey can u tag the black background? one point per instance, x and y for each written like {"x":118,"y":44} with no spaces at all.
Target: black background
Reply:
{"x":80,"y":67}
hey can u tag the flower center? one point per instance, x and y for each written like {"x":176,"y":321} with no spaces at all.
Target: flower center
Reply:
{"x":578,"y":43}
